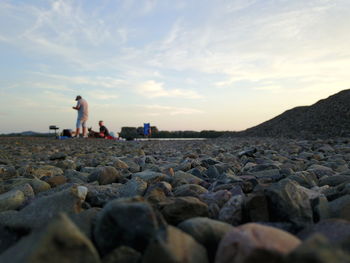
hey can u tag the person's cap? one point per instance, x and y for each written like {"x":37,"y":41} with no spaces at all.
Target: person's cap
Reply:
{"x":78,"y":97}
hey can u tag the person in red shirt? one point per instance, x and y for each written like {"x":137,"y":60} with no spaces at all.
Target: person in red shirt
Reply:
{"x":103,"y":130}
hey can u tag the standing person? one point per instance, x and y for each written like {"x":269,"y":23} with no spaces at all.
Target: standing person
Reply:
{"x":83,"y":114}
{"x":103,"y":130}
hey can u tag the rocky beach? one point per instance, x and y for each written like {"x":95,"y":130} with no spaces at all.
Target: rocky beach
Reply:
{"x":224,"y":200}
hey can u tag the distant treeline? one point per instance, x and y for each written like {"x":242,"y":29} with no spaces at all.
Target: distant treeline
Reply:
{"x":34,"y":134}
{"x":130,"y":133}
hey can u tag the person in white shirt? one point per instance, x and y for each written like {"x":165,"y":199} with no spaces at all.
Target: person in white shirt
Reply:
{"x":83,"y":115}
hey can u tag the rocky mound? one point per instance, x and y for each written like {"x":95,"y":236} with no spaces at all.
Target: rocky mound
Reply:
{"x":326,"y":118}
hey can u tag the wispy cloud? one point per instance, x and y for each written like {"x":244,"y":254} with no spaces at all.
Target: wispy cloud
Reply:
{"x":268,"y":88}
{"x":153,"y":89}
{"x":149,"y":5}
{"x":157,"y":110}
{"x":102,"y":95}
{"x":238,"y":5}
{"x":98,"y":81}
{"x":47,"y":86}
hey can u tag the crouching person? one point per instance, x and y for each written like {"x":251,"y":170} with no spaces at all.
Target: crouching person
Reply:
{"x":104,"y":133}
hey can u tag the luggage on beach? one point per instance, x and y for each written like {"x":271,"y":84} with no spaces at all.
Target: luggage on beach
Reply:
{"x":146,"y":129}
{"x":67,"y":133}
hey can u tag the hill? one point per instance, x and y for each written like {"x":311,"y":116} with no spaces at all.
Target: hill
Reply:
{"x":329,"y":117}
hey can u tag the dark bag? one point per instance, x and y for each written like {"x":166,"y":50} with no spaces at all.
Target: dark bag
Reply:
{"x":67,"y":132}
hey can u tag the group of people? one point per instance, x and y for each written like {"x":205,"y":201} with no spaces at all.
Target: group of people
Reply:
{"x":83,"y":115}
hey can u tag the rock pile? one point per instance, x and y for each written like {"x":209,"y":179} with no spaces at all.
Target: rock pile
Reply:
{"x":226,"y":200}
{"x":324,"y":119}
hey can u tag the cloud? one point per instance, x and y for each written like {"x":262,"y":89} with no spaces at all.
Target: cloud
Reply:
{"x":238,"y":5}
{"x":4,"y":114}
{"x":277,"y":43}
{"x":98,"y":81}
{"x":4,"y":39}
{"x":157,"y":110}
{"x":153,"y":89}
{"x":48,"y":86}
{"x":149,"y":6}
{"x":268,"y":88}
{"x":101,"y":95}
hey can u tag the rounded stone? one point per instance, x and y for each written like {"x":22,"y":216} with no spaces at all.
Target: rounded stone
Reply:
{"x":11,"y":200}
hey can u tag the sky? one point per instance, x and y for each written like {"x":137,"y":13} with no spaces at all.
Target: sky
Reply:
{"x":178,"y":64}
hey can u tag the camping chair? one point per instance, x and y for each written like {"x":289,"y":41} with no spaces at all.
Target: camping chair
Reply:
{"x":53,"y":127}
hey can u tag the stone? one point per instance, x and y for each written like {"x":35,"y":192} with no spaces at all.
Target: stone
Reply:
{"x":232,"y":211}
{"x":171,"y":245}
{"x":305,"y":179}
{"x":158,"y":192}
{"x":8,"y":172}
{"x":178,"y":209}
{"x":27,"y":190}
{"x":7,"y":238}
{"x":213,"y":172}
{"x":317,"y":249}
{"x":134,"y":187}
{"x":256,"y":208}
{"x":56,"y":180}
{"x":99,"y":195}
{"x":58,"y":156}
{"x":208,"y":161}
{"x":335,"y":230}
{"x":320,"y":208}
{"x":289,"y":203}
{"x":181,"y":177}
{"x":66,"y":164}
{"x":184,"y":166}
{"x":85,"y":220}
{"x":149,"y":176}
{"x":11,"y":200}
{"x":87,"y":170}
{"x":340,"y":208}
{"x":338,"y":191}
{"x":334,"y":180}
{"x":248,"y":152}
{"x":253,"y":241}
{"x":169,"y":171}
{"x":219,"y":197}
{"x":123,"y":254}
{"x":320,"y":170}
{"x":119,"y":164}
{"x":345,"y":245}
{"x":207,"y":232}
{"x":194,"y":190}
{"x":325,"y":148}
{"x":39,"y":185}
{"x":60,"y":241}
{"x":76,"y":177}
{"x":47,"y":170}
{"x":41,"y":211}
{"x":133,"y":166}
{"x":272,"y":175}
{"x":125,"y":222}
{"x":82,"y":192}
{"x":105,"y":175}
{"x":215,"y":201}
